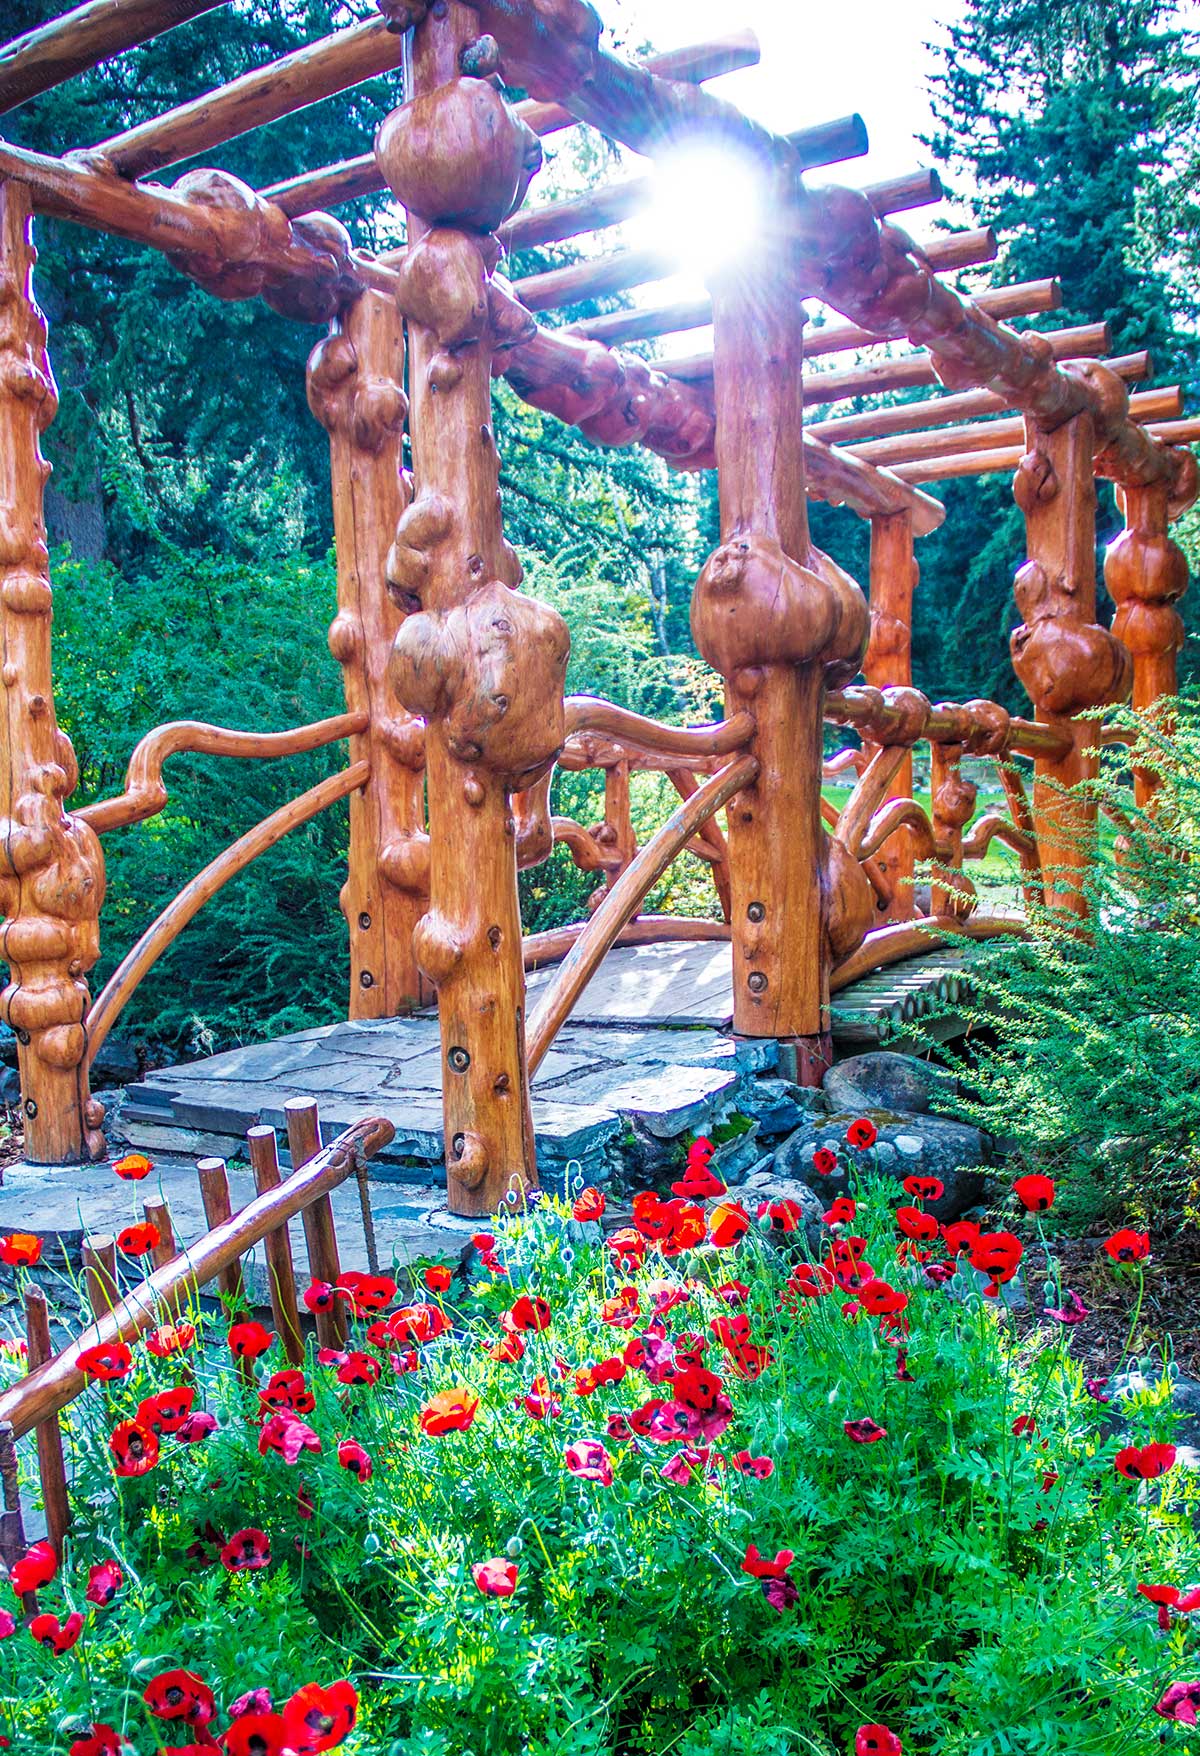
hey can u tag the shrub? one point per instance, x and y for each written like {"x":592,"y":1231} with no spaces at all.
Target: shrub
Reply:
{"x":1094,"y":1073}
{"x":698,"y":1495}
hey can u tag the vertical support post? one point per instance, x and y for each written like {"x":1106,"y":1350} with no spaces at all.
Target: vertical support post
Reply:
{"x":51,"y":867}
{"x":774,"y":616}
{"x":953,"y":800}
{"x":354,"y":389}
{"x":1066,"y":661}
{"x":1146,"y":573}
{"x":213,"y":1176}
{"x":481,"y":664}
{"x":52,"y":1468}
{"x":304,"y":1143}
{"x":100,"y":1273}
{"x":615,"y":834}
{"x":277,"y":1246}
{"x":888,"y":662}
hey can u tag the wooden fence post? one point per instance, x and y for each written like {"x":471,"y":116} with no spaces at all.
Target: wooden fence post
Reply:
{"x":1066,"y":661}
{"x":1146,"y":573}
{"x":51,"y":867}
{"x":481,"y":664}
{"x":354,"y":389}
{"x":888,"y":662}
{"x":774,"y":616}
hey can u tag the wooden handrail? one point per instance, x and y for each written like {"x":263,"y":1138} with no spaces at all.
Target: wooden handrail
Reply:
{"x":184,"y":907}
{"x":623,"y":901}
{"x":555,"y":942}
{"x":887,"y":945}
{"x":82,"y":38}
{"x":49,"y":1389}
{"x":145,"y":793}
{"x":589,"y":713}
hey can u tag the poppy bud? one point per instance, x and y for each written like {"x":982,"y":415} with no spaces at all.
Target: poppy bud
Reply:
{"x":514,"y":1547}
{"x":370,"y":1543}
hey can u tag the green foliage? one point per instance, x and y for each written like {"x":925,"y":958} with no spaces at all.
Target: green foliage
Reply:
{"x":971,"y":1588}
{"x":1095,"y":1074}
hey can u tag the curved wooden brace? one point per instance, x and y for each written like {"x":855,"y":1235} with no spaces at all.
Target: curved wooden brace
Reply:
{"x":892,"y":944}
{"x":117,"y":991}
{"x":623,"y":901}
{"x":994,"y":827}
{"x":874,"y":871}
{"x":855,"y":817}
{"x":844,"y":760}
{"x":710,"y":838}
{"x":583,"y":847}
{"x":548,"y":947}
{"x":1021,"y":812}
{"x":588,"y":713}
{"x":47,"y":1391}
{"x":145,"y":791}
{"x":901,"y":814}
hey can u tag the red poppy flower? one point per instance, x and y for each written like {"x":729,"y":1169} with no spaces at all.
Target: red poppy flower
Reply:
{"x":1165,"y":1598}
{"x":495,"y":1578}
{"x":539,"y":1403}
{"x":690,"y":1348}
{"x":253,"y":1701}
{"x":319,"y":1295}
{"x":1128,"y":1246}
{"x":749,"y":1465}
{"x":287,"y":1435}
{"x":824,"y":1161}
{"x":687,"y":1228}
{"x":589,"y":1460}
{"x":924,"y":1188}
{"x":370,"y":1292}
{"x":876,"y":1741}
{"x":8,"y":1625}
{"x":588,"y":1206}
{"x":1035,"y":1192}
{"x":171,"y":1338}
{"x":508,"y":1350}
{"x":758,"y":1566}
{"x":864,"y":1431}
{"x":36,"y":1567}
{"x":590,"y":1378}
{"x":105,"y":1580}
{"x":180,"y":1695}
{"x":437,"y":1277}
{"x":841,"y":1212}
{"x":352,"y":1456}
{"x":698,"y":1183}
{"x":58,"y":1637}
{"x":750,"y":1360}
{"x":415,"y":1325}
{"x":319,"y":1718}
{"x":623,"y":1309}
{"x":106,"y":1361}
{"x":879,"y":1299}
{"x":248,"y":1340}
{"x":103,"y":1740}
{"x":786,"y":1215}
{"x":450,"y":1411}
{"x":697,"y":1389}
{"x":134,"y":1448}
{"x":810,"y":1280}
{"x":862,"y":1133}
{"x":627,"y":1246}
{"x":20,"y":1249}
{"x":484,"y":1240}
{"x":728,"y":1224}
{"x":196,"y":1427}
{"x":1144,"y":1463}
{"x":246,"y":1552}
{"x":960,"y":1235}
{"x":527,"y":1313}
{"x":358,"y":1368}
{"x":1180,"y":1703}
{"x":254,"y":1734}
{"x":916,"y":1224}
{"x":998,"y":1255}
{"x":133,"y":1167}
{"x":166,"y":1412}
{"x":287,"y":1390}
{"x":138,"y":1240}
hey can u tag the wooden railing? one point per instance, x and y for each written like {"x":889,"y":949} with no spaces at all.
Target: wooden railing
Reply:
{"x":36,"y":1402}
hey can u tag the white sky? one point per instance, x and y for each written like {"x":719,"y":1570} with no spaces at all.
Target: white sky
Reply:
{"x":818,"y":62}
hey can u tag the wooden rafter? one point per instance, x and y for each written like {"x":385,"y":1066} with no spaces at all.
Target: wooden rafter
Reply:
{"x":1159,"y":404}
{"x":82,"y":38}
{"x":1004,"y":459}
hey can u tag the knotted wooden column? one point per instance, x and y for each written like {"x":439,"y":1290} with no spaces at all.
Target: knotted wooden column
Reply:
{"x":354,"y":379}
{"x":1064,"y":659}
{"x":888,"y":661}
{"x":51,"y":868}
{"x":483,"y":665}
{"x":776,"y":618}
{"x":1146,"y":573}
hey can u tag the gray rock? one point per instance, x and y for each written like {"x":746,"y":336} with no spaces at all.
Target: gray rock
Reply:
{"x":10,"y":1087}
{"x":115,"y":1063}
{"x":781,"y":1106}
{"x":734,"y":1157}
{"x":884,"y":1080}
{"x":766,"y":1185}
{"x":8,"y":1045}
{"x":928,"y":1146}
{"x":1185,"y":1398}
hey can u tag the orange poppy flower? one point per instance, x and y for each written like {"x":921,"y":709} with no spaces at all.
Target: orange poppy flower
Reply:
{"x":450,"y":1411}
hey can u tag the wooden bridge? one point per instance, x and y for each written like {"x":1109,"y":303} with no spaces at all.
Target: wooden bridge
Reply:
{"x":455,"y":715}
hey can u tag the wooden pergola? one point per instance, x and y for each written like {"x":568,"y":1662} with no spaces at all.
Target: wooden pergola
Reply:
{"x":455,"y":711}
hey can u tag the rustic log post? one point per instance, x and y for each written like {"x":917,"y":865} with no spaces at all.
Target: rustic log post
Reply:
{"x":888,"y":661}
{"x":354,"y":379}
{"x":773,"y":615}
{"x":100,"y":1272}
{"x":277,"y":1246}
{"x":304,"y":1143}
{"x":481,"y":664}
{"x":213,"y":1176}
{"x":1146,"y":573}
{"x":52,"y":1468}
{"x":51,"y":868}
{"x":615,"y":834}
{"x":1066,"y":661}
